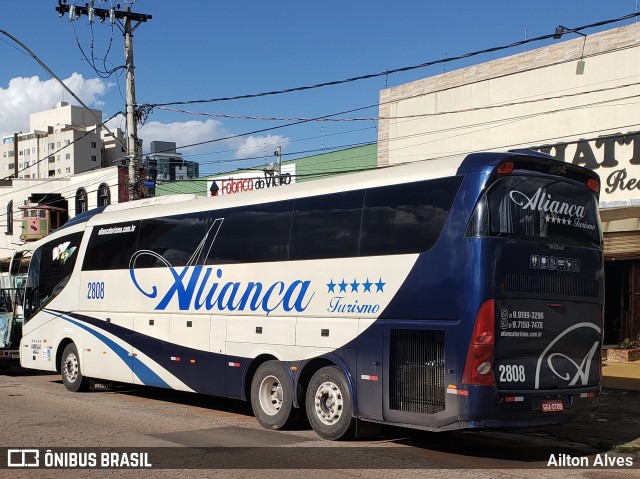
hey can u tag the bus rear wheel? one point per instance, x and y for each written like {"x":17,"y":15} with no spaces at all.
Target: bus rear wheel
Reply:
{"x":329,"y":405}
{"x":72,"y":377}
{"x":272,"y":397}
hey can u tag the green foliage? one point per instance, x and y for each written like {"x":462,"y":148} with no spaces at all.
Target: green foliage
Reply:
{"x":628,"y":343}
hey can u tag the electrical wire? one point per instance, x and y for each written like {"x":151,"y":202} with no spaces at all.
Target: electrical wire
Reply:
{"x":402,"y":117}
{"x":396,"y":70}
{"x":55,"y":77}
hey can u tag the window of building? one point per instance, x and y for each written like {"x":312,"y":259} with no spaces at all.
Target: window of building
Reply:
{"x":104,"y":195}
{"x":93,"y":144}
{"x":67,"y":156}
{"x":81,"y":201}
{"x":52,"y":146}
{"x":52,"y":159}
{"x":68,"y":169}
{"x":94,"y":158}
{"x":52,"y":172}
{"x":57,"y":157}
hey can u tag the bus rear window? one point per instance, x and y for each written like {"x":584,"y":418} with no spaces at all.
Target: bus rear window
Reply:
{"x":536,"y":207}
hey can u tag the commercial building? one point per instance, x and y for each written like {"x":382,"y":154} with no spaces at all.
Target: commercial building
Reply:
{"x":163,"y":163}
{"x":576,"y":100}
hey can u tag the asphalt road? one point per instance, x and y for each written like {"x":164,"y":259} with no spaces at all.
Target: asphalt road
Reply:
{"x":212,"y":437}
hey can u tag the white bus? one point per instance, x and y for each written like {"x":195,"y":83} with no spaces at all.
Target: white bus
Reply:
{"x":420,"y":295}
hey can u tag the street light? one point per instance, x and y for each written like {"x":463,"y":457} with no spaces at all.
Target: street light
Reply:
{"x":560,"y":30}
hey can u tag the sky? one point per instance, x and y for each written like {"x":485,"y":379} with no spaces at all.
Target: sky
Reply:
{"x":199,"y":50}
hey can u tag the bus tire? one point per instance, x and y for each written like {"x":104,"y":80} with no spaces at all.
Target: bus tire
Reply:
{"x":72,"y":377}
{"x":272,"y":397}
{"x":329,"y":405}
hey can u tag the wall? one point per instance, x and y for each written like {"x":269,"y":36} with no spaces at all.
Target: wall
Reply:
{"x":582,"y":88}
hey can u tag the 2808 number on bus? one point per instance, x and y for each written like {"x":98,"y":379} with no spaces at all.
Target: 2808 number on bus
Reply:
{"x":95,"y":290}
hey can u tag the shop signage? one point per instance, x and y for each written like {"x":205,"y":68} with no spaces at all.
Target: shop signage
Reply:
{"x":616,"y":158}
{"x":250,"y":180}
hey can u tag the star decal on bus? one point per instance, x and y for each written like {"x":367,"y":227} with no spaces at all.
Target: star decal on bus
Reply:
{"x":367,"y":286}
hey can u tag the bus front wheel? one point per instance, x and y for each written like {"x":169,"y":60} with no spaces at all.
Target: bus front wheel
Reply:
{"x":72,"y":377}
{"x":272,"y":397}
{"x":329,"y":405}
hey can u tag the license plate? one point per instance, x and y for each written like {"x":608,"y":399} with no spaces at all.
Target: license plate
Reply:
{"x":552,"y":405}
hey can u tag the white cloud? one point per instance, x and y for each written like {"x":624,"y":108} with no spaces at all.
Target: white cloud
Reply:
{"x":182,"y":133}
{"x":24,"y":96}
{"x":254,"y":146}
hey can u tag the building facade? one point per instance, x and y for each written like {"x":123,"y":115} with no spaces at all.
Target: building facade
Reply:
{"x":164,"y":163}
{"x":576,"y":100}
{"x":62,"y":141}
{"x":66,"y":160}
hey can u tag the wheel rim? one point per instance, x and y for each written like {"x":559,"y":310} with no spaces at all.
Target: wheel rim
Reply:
{"x":270,"y":395}
{"x":71,"y":368}
{"x":329,"y":403}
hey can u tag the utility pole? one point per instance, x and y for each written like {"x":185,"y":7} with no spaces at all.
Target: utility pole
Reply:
{"x":124,"y":20}
{"x":278,"y":154}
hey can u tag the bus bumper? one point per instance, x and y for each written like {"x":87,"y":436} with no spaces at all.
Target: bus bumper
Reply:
{"x":489,"y":407}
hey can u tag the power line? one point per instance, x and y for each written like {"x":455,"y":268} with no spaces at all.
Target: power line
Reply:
{"x":402,"y":117}
{"x":395,"y":70}
{"x":55,"y":77}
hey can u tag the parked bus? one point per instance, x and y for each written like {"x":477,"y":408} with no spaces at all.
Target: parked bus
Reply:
{"x":444,"y":294}
{"x":11,"y":299}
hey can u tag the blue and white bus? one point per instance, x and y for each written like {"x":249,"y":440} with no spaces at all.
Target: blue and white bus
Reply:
{"x":438,"y":295}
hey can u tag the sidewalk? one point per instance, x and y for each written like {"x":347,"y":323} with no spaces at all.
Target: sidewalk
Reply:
{"x":621,"y":375}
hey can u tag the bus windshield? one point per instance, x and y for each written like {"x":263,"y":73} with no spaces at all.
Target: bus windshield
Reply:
{"x":539,"y":207}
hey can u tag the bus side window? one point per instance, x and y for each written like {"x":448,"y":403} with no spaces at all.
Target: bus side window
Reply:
{"x":111,"y":246}
{"x":175,"y":238}
{"x":406,"y":218}
{"x":327,"y":226}
{"x":252,"y":233}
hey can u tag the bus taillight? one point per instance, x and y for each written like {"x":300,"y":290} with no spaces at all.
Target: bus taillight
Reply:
{"x":506,"y":168}
{"x":593,"y":185}
{"x":478,"y":366}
